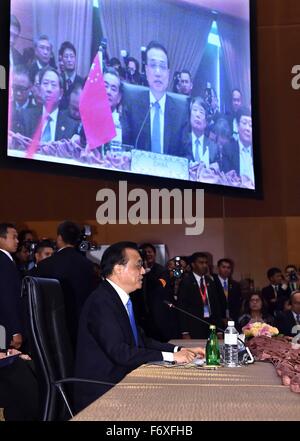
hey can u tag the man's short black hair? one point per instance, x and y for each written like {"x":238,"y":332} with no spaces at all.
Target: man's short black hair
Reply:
{"x":148,"y":245}
{"x":201,"y":102}
{"x":115,"y":255}
{"x":156,"y":45}
{"x":185,"y":71}
{"x":135,"y":61}
{"x":45,"y":243}
{"x":4,"y":226}
{"x":225,"y":260}
{"x":20,"y":69}
{"x":272,"y":271}
{"x":243,"y":111}
{"x":236,"y":90}
{"x":66,"y":45}
{"x":198,"y":255}
{"x":70,"y":232}
{"x":15,"y":22}
{"x":115,"y":72}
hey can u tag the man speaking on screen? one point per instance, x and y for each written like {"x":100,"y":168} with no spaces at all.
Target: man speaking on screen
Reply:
{"x":154,"y":120}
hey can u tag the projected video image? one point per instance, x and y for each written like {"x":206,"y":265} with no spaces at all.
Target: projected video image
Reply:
{"x":152,"y":87}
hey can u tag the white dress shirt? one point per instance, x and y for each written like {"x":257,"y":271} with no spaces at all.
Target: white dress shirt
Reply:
{"x":246,"y":161}
{"x":167,"y":356}
{"x":162,"y":104}
{"x":203,"y":158}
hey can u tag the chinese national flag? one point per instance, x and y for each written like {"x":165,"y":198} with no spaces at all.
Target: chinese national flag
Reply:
{"x":95,"y":110}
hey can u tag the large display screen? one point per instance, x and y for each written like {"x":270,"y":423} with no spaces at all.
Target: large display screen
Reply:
{"x":151,"y":87}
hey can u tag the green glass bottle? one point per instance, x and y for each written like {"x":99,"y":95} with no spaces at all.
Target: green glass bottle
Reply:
{"x":212,"y":348}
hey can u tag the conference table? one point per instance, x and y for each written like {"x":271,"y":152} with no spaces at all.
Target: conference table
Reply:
{"x":177,"y":393}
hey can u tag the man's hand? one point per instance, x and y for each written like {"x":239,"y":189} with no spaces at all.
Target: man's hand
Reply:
{"x":184,"y":356}
{"x":198,"y":351}
{"x":17,"y":341}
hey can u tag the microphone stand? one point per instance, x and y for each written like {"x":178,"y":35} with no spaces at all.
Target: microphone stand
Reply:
{"x":247,"y":356}
{"x":142,"y":126}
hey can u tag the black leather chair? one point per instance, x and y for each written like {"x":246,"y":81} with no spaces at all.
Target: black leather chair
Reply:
{"x":50,"y":346}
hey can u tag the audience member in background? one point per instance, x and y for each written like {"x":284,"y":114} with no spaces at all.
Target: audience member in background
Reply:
{"x":274,"y":294}
{"x":197,"y":146}
{"x":286,"y":320}
{"x":116,"y":64}
{"x":37,"y":98}
{"x":15,"y":58}
{"x":292,"y":278}
{"x":254,"y":310}
{"x":142,"y":299}
{"x":110,"y":344}
{"x":222,"y":134}
{"x":43,"y":249}
{"x":74,"y":113}
{"x":113,"y":89}
{"x":22,"y":258}
{"x":10,"y":287}
{"x":74,"y":272}
{"x":236,"y":104}
{"x":229,"y":291}
{"x":185,"y":83}
{"x":21,"y":86}
{"x":176,"y":82}
{"x":198,"y":295}
{"x":57,"y":125}
{"x":26,"y":236}
{"x":212,"y":102}
{"x":42,"y":50}
{"x":247,"y":287}
{"x":21,"y":98}
{"x":70,"y":78}
{"x":133,"y":71}
{"x":238,"y":155}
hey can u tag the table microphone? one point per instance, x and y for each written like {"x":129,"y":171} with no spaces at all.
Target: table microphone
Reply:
{"x":245,"y":356}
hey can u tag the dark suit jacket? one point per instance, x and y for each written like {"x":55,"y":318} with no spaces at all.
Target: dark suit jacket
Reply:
{"x":66,"y":127}
{"x":190,"y":300}
{"x":64,"y":103}
{"x":209,"y":144}
{"x":231,"y":157}
{"x":106,"y":348}
{"x":285,"y":322}
{"x":268,"y":294}
{"x":234,"y":301}
{"x":136,"y":121}
{"x":76,"y":275}
{"x":10,"y":298}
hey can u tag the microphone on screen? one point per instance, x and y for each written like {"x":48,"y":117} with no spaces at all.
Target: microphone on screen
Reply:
{"x":245,"y":356}
{"x":143,"y":125}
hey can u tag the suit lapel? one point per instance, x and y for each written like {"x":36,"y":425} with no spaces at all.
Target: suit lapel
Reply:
{"x":124,"y":321}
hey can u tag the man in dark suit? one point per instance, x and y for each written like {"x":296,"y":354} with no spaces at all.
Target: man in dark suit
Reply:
{"x":73,"y":270}
{"x":56,"y":124}
{"x":274,"y":294}
{"x":153,"y":119}
{"x":15,"y":57}
{"x":42,"y":52}
{"x":198,"y":147}
{"x":110,"y":345}
{"x":236,"y":104}
{"x":67,"y":52}
{"x":285,"y":321}
{"x":238,"y":155}
{"x":10,"y":287}
{"x":21,"y":98}
{"x":198,"y":295}
{"x":229,"y":291}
